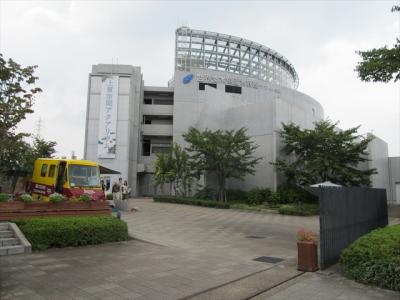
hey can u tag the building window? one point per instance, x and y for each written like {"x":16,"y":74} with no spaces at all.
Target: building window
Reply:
{"x":163,"y":101}
{"x":158,"y":149}
{"x":202,"y":85}
{"x":146,"y":120}
{"x":44,"y":170}
{"x":52,"y":170}
{"x":146,"y":145}
{"x":148,"y":101}
{"x":233,"y":89}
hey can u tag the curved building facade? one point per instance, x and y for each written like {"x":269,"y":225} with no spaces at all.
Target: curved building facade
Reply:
{"x":220,"y":82}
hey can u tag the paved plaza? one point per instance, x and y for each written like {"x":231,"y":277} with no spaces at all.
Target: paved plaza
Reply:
{"x":179,"y":252}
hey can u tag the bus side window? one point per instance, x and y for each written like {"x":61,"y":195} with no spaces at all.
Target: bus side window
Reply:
{"x":44,"y":170}
{"x":52,"y":170}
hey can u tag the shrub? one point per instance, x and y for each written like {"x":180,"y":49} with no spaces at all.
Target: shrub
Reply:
{"x":56,"y":198}
{"x":375,"y":258}
{"x":299,"y":209}
{"x":191,"y":201}
{"x":236,"y":196}
{"x":26,"y":198}
{"x":274,"y":198}
{"x":61,"y":232}
{"x":258,"y":196}
{"x":294,"y":194}
{"x":109,"y":196}
{"x":206,"y":194}
{"x":85,"y":198}
{"x":4,"y":197}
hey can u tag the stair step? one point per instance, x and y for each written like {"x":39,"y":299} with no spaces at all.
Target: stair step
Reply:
{"x":3,"y":226}
{"x":6,"y":234}
{"x":8,"y":250}
{"x":9,"y":242}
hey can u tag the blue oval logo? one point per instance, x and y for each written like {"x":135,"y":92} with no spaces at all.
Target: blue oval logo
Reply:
{"x":188,"y":78}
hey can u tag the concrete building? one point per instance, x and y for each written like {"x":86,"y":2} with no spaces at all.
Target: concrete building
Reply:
{"x":220,"y":82}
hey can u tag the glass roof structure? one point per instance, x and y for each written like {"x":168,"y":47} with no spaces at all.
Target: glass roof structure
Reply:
{"x":222,"y":52}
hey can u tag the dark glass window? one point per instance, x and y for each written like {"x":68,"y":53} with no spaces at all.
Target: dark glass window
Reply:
{"x":202,"y":85}
{"x":44,"y":170}
{"x":52,"y":170}
{"x":233,"y":89}
{"x":147,"y":100}
{"x":146,"y":120}
{"x":156,"y":149}
{"x":146,"y":147}
{"x":163,"y":102}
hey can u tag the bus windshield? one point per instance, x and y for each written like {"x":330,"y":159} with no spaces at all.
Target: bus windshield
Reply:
{"x":84,"y":176}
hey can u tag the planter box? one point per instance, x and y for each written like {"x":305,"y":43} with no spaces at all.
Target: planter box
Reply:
{"x":41,"y":206}
{"x":12,"y":205}
{"x":307,"y":255}
{"x":17,"y":209}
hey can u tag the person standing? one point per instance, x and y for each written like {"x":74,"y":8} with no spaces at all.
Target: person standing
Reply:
{"x":125,"y":190}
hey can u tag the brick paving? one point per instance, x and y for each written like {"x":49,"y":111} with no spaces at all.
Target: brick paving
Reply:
{"x":194,"y":249}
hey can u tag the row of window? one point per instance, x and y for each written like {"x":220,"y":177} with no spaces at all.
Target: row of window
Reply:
{"x":51,"y":173}
{"x":228,"y":88}
{"x":155,"y":101}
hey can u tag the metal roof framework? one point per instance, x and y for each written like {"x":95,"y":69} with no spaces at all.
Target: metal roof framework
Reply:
{"x":216,"y":51}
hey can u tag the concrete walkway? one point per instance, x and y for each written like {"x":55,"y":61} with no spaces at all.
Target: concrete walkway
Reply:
{"x":325,"y":286}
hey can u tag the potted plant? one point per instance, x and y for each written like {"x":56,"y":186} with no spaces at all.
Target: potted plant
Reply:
{"x":307,"y":250}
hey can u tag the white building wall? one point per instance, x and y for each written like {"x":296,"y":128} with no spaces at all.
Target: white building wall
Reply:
{"x":260,"y":109}
{"x":129,"y":92}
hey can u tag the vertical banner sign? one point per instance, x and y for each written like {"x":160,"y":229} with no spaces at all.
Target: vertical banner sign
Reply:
{"x":108,"y":117}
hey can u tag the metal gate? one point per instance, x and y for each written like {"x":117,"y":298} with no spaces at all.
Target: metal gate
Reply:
{"x":347,"y":213}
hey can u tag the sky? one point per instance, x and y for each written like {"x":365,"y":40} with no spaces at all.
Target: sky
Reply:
{"x":320,"y":38}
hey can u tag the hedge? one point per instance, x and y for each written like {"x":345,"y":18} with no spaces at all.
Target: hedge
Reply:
{"x":299,"y":209}
{"x":375,"y":258}
{"x":191,"y":201}
{"x":44,"y":233}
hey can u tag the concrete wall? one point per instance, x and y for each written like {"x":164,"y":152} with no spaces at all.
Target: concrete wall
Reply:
{"x":394,"y":178}
{"x":378,"y":155}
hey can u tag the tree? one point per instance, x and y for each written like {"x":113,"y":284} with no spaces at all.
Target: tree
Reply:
{"x":228,"y":154}
{"x":174,"y":168}
{"x":39,"y":149}
{"x":380,"y":64}
{"x":323,"y":154}
{"x":42,"y":148}
{"x":17,"y":90}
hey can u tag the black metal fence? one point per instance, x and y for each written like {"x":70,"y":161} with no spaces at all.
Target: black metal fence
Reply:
{"x":346,"y":213}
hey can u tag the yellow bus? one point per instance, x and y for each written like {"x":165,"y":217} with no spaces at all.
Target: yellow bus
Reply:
{"x":69,"y":177}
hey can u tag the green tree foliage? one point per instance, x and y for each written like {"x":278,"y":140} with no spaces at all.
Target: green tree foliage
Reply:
{"x":39,"y":149}
{"x":42,"y":148}
{"x":17,"y":90}
{"x":380,"y":64}
{"x":226,"y":153}
{"x":174,"y":168}
{"x":323,"y":154}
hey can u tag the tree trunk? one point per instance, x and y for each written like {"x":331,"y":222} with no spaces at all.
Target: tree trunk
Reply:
{"x":221,"y":188}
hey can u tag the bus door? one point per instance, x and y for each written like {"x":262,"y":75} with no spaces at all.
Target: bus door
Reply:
{"x":60,"y":177}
